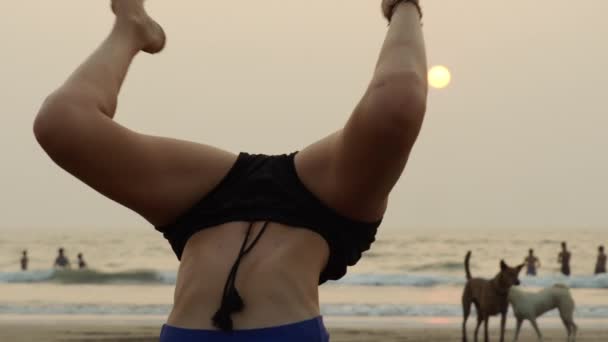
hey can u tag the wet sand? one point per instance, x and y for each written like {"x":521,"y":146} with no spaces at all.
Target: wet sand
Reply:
{"x":48,"y":332}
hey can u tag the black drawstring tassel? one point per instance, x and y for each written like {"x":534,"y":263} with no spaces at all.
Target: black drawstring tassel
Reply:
{"x":231,"y":299}
{"x":234,"y":302}
{"x":231,"y":303}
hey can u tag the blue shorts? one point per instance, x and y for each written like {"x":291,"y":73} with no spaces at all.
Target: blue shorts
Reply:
{"x":312,"y":330}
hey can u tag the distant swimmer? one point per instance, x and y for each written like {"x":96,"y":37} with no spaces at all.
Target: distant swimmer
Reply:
{"x":24,"y":261}
{"x":61,"y":261}
{"x":81,"y":263}
{"x":564,"y":259}
{"x":600,"y":265}
{"x":532,"y":263}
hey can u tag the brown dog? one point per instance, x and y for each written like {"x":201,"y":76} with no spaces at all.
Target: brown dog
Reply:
{"x":489,"y":296}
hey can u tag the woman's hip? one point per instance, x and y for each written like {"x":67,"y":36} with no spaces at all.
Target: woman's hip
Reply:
{"x":312,"y":330}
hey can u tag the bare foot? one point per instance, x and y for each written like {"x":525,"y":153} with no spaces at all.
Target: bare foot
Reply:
{"x":132,"y":13}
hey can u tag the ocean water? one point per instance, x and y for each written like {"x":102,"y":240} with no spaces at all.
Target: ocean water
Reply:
{"x":405,"y":274}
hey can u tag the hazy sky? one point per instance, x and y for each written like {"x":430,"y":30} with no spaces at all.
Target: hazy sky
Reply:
{"x":518,"y":140}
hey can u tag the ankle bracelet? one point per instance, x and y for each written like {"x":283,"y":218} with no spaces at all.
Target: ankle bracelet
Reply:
{"x":389,"y":9}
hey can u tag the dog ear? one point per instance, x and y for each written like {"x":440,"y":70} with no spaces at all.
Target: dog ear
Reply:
{"x":520,"y":267}
{"x":503,"y":265}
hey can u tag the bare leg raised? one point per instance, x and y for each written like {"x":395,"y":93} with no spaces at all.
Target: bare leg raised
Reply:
{"x":99,"y":78}
{"x":156,"y":177}
{"x":355,"y":168}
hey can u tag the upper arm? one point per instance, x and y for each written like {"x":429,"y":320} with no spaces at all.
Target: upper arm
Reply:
{"x":157,"y":177}
{"x":358,"y":166}
{"x":371,"y":152}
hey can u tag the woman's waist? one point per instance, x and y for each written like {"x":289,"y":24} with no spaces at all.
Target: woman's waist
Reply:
{"x":273,"y":277}
{"x":277,"y":279}
{"x":270,"y":298}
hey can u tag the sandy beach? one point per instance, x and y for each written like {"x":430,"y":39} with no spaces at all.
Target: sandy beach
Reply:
{"x":48,"y":332}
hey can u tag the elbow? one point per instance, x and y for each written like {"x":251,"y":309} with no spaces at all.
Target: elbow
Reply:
{"x":401,"y":93}
{"x":53,"y":122}
{"x":43,"y":126}
{"x":398,"y":102}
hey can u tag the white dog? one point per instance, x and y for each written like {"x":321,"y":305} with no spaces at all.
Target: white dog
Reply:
{"x":528,"y":305}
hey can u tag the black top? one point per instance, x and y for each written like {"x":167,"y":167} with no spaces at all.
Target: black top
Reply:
{"x":267,"y":188}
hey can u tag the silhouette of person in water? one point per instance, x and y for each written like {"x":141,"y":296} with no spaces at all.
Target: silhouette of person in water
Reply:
{"x":81,"y":263}
{"x":24,"y":261}
{"x":564,"y":258}
{"x":532,"y":263}
{"x":61,"y":261}
{"x":600,"y":265}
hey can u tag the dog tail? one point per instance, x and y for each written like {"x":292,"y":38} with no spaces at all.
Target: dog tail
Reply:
{"x":466,"y":265}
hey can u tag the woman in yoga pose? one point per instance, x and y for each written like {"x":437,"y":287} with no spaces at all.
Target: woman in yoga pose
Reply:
{"x":255,"y":234}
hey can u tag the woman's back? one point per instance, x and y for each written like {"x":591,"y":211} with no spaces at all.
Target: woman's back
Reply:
{"x":278,"y":279}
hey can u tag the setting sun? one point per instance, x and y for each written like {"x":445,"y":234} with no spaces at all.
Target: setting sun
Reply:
{"x":439,"y":77}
